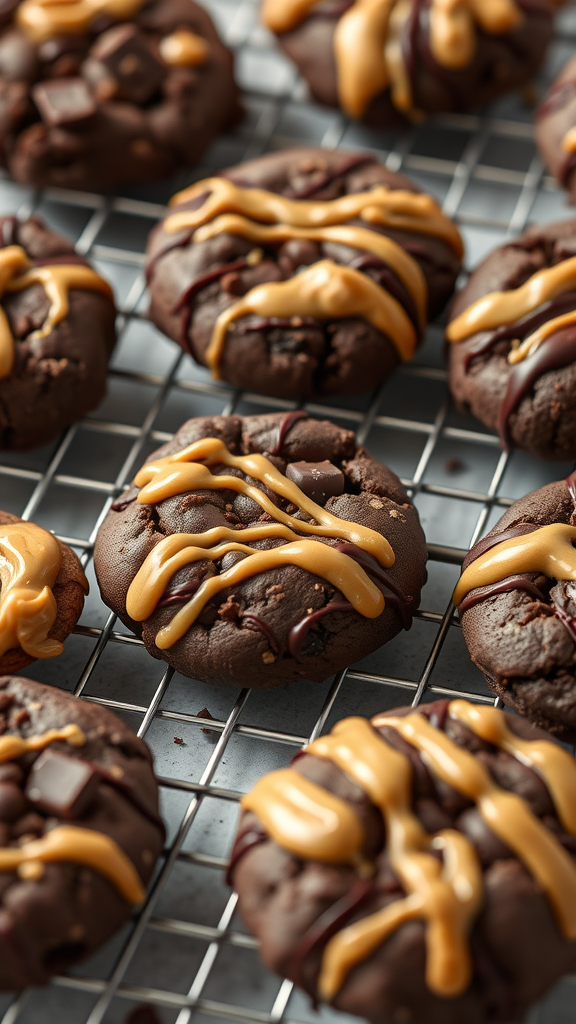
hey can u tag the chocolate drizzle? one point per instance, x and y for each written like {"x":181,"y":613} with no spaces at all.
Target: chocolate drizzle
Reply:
{"x":286,"y":424}
{"x":327,"y":925}
{"x":520,"y":582}
{"x":264,"y":628}
{"x":571,"y":485}
{"x":180,"y":594}
{"x":299,"y":632}
{"x":122,"y":501}
{"x":206,"y":279}
{"x":251,"y":835}
{"x":556,"y":352}
{"x":388,"y":280}
{"x":392,"y":594}
{"x":521,"y":328}
{"x":329,"y":177}
{"x":487,"y":543}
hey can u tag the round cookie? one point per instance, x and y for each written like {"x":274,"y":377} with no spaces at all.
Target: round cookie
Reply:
{"x":302,"y":273}
{"x":519,"y":616}
{"x":93,"y":95}
{"x":57,"y":333}
{"x":79,"y":829}
{"x":555,"y":129}
{"x":42,"y":590}
{"x":388,"y":63}
{"x":512,"y":342}
{"x":416,"y":867}
{"x":295,"y":555}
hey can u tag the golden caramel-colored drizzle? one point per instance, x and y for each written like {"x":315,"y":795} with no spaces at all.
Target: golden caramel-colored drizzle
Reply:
{"x":556,"y":766}
{"x":446,"y":894}
{"x":184,"y":49}
{"x":306,"y":819}
{"x":322,"y":291}
{"x":405,"y":211}
{"x":498,"y":309}
{"x":549,"y":550}
{"x":506,"y":814}
{"x":45,"y":19}
{"x":384,"y":248}
{"x":569,"y":141}
{"x":77,"y":846}
{"x":17,"y":273}
{"x":189,"y":470}
{"x":30,"y":560}
{"x":367,"y":40}
{"x":13,"y":747}
{"x":534,"y":340}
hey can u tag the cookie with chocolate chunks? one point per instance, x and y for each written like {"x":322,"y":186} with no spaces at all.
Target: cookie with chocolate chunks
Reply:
{"x":517,"y":604}
{"x":99,"y":94}
{"x":432,"y":878}
{"x":57,"y":333}
{"x":302,"y":273}
{"x":387,"y":64}
{"x":512,"y":342}
{"x":233,"y":573}
{"x":555,"y":129}
{"x":42,"y":591}
{"x":80,"y":831}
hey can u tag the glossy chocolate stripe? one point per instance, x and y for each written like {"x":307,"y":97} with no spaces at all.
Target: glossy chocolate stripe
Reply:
{"x":522,"y":328}
{"x":518,"y":582}
{"x":285,"y":425}
{"x":299,"y":632}
{"x":487,"y":543}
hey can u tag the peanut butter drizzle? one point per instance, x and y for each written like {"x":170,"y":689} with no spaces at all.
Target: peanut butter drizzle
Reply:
{"x":384,"y":248}
{"x":13,"y":747}
{"x":45,"y":19}
{"x":184,"y":49}
{"x":17,"y":273}
{"x":405,"y":211}
{"x":534,"y":340}
{"x":189,"y":470}
{"x":323,"y":291}
{"x":30,"y":560}
{"x":549,"y":550}
{"x":569,"y":141}
{"x":67,"y":842}
{"x":365,"y":61}
{"x":77,"y":846}
{"x":499,"y":309}
{"x":448,"y":895}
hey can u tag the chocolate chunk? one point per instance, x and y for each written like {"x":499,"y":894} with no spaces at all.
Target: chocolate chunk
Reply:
{"x":143,"y":1015}
{"x":319,"y":480}
{"x":64,"y":101}
{"x":62,"y":786}
{"x":125,"y":54}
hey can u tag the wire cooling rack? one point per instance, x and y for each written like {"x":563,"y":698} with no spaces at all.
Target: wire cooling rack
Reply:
{"x":186,"y":951}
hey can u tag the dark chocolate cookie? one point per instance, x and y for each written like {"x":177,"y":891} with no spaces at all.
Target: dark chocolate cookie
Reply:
{"x":57,"y":334}
{"x":555,"y":129}
{"x":419,"y":867}
{"x":295,"y":556}
{"x":518,"y":608}
{"x":302,"y":273}
{"x":42,"y":590}
{"x":389,"y":62}
{"x":79,"y":829}
{"x":93,"y":95}
{"x":512,"y":363}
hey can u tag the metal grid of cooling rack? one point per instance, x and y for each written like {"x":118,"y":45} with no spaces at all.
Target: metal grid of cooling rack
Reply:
{"x":186,"y":951}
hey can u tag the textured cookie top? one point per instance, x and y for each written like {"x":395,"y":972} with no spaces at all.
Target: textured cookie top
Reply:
{"x":267,"y":523}
{"x":79,"y":827}
{"x":520,"y":304}
{"x":299,"y":241}
{"x":419,"y":804}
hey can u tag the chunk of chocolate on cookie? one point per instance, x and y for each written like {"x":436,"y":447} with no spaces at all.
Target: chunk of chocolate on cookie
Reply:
{"x":129,"y":61}
{"x":64,"y":101}
{"x":61,"y":786}
{"x":319,"y":480}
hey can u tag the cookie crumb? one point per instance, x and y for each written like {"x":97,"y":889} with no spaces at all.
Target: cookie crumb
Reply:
{"x":179,"y":741}
{"x":376,"y":503}
{"x":455,"y":465}
{"x":268,"y":658}
{"x":207,"y":732}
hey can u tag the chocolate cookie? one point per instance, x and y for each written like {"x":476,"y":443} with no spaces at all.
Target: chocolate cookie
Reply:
{"x":57,"y":333}
{"x":390,"y":62}
{"x":302,"y":273}
{"x":517,"y":604}
{"x":257,"y":550}
{"x":419,"y":867}
{"x":100,"y":93}
{"x":42,"y":590}
{"x":79,"y":829}
{"x":555,"y":129}
{"x":512,"y":361}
